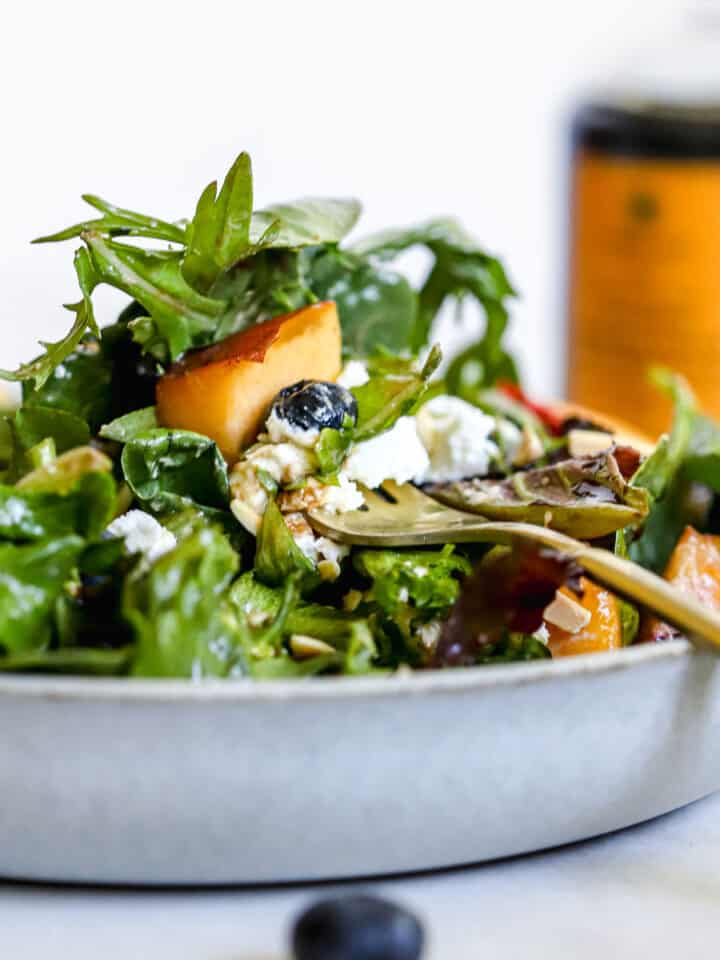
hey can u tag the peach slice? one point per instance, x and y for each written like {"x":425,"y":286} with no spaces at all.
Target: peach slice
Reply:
{"x":694,"y":568}
{"x":224,"y":391}
{"x":603,"y":631}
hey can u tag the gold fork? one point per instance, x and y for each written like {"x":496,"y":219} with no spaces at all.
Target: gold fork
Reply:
{"x":409,"y":518}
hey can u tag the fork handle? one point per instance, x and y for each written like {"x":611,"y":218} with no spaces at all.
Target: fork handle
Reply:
{"x":627,"y":579}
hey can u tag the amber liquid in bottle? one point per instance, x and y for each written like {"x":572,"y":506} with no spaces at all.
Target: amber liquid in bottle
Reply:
{"x":644,"y":282}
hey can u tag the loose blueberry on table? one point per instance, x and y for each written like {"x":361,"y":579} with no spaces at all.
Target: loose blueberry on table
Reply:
{"x":357,"y":928}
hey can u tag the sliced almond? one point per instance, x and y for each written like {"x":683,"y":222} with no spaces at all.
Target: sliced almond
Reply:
{"x":246,"y":516}
{"x":530,"y":449}
{"x":588,"y":443}
{"x":566,"y":613}
{"x":303,"y":646}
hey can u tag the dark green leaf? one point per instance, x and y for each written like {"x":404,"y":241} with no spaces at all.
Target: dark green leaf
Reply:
{"x":80,"y":385}
{"x":32,"y":577}
{"x":657,"y":472}
{"x":377,"y":306}
{"x":277,"y":556}
{"x":131,"y":425}
{"x":174,"y":469}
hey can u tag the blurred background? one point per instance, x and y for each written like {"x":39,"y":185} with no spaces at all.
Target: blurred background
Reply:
{"x":418,"y":108}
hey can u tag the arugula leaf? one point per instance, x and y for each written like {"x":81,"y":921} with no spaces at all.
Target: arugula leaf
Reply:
{"x":179,"y":612}
{"x":131,"y":425}
{"x":277,"y":556}
{"x":387,"y":397}
{"x":460,"y":269}
{"x":86,"y":509}
{"x":219,"y":233}
{"x":377,"y":306}
{"x":513,"y":648}
{"x":174,"y":469}
{"x":116,"y":222}
{"x":32,"y":577}
{"x":179,"y":316}
{"x":42,"y":367}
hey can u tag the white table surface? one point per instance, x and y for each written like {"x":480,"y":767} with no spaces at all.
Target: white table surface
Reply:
{"x":652,"y":891}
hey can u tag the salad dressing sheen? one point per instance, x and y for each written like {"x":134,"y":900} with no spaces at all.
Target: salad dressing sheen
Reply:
{"x":645,"y":257}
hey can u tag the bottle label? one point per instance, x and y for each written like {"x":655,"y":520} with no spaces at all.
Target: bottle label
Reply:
{"x":644,"y":283}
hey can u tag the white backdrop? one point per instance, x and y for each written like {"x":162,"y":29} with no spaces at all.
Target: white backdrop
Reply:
{"x":420,"y":108}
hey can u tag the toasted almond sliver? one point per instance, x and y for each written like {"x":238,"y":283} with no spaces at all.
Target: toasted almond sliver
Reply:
{"x":246,"y":516}
{"x":566,"y":613}
{"x":303,"y":646}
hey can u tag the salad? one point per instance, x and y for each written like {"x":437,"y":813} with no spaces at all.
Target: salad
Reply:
{"x":157,"y":477}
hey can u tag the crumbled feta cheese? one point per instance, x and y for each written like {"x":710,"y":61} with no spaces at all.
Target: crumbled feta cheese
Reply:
{"x":324,"y":553}
{"x":456,"y":436}
{"x":353,"y":374}
{"x":280,"y":430}
{"x":396,"y":455}
{"x":142,"y":534}
{"x":542,"y":634}
{"x":285,"y":462}
{"x":342,"y":496}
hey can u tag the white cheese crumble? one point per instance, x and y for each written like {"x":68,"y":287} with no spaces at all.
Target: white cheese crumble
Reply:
{"x":279,"y":430}
{"x":142,"y":534}
{"x":396,"y":455}
{"x":342,"y":496}
{"x":325,"y":554}
{"x":353,"y":374}
{"x":456,"y":436}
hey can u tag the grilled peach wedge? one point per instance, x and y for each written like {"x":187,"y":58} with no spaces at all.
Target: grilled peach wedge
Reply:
{"x":224,"y":391}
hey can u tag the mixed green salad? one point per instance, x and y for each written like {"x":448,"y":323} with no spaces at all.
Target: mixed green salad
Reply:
{"x":158,"y":476}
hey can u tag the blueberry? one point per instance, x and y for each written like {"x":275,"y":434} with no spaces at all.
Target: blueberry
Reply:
{"x":357,"y":928}
{"x":314,"y":405}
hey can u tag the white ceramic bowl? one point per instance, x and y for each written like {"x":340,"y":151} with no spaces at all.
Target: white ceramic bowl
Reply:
{"x":117,"y":781}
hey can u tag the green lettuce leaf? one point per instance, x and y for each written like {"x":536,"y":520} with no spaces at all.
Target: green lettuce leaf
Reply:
{"x":79,"y":386}
{"x":88,"y":661}
{"x":32,"y":578}
{"x":174,"y":469}
{"x":182,"y":621}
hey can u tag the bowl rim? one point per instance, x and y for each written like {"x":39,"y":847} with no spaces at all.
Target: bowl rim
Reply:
{"x":211,"y":691}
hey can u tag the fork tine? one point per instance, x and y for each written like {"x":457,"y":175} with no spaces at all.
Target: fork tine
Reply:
{"x":405,"y":493}
{"x":374,"y":500}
